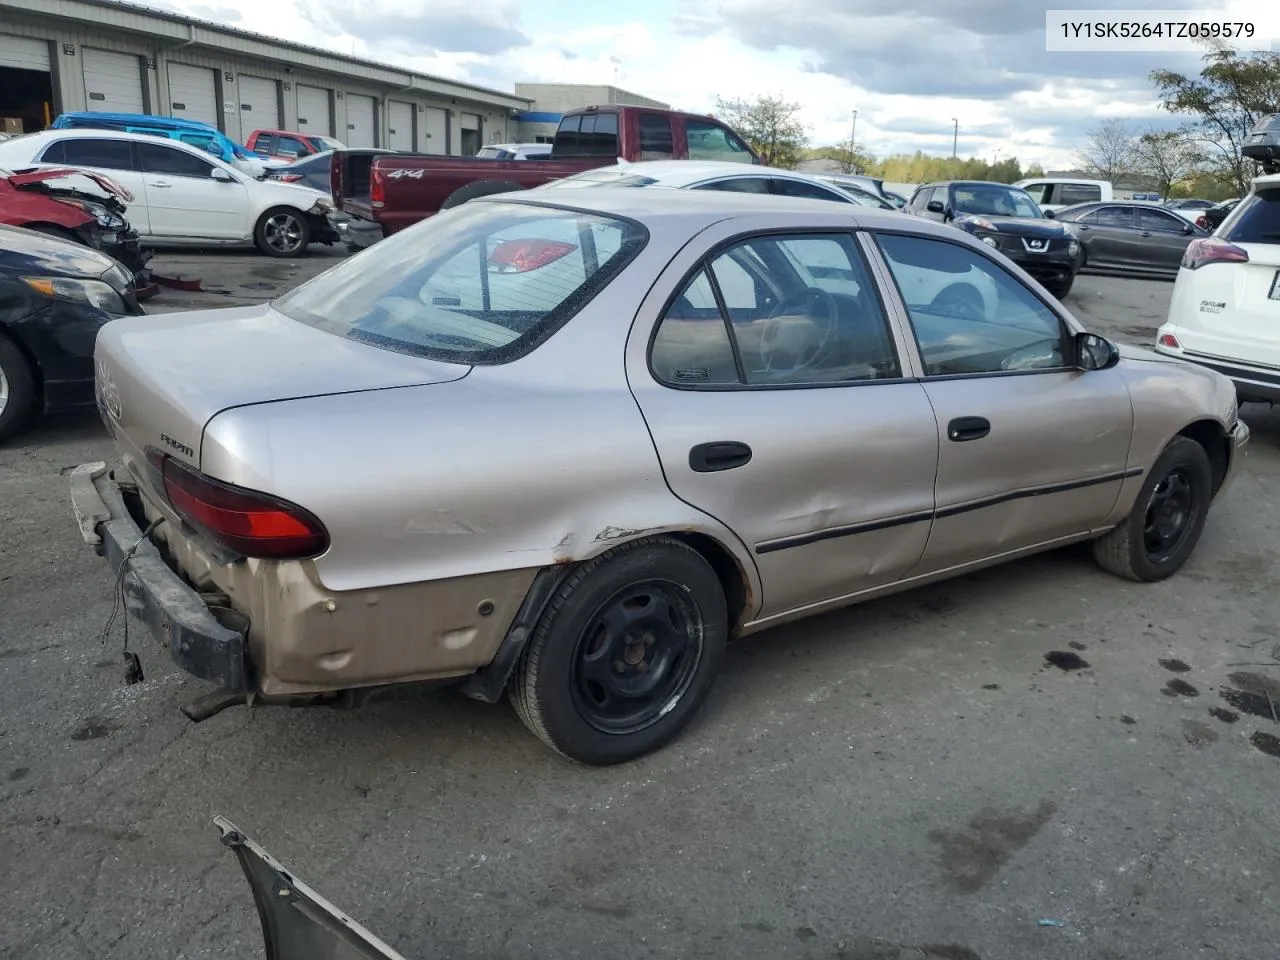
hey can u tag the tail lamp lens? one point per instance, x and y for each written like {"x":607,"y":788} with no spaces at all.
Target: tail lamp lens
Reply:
{"x":377,"y":189}
{"x":1208,"y":250}
{"x":247,"y":522}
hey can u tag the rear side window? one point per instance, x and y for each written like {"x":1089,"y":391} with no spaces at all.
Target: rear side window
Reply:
{"x":1256,"y":219}
{"x":588,"y":135}
{"x":710,"y":141}
{"x":1110,"y":217}
{"x":106,"y":154}
{"x":655,"y":137}
{"x":291,"y":147}
{"x":485,"y":282}
{"x":1070,"y":193}
{"x":809,"y":191}
{"x":737,"y":185}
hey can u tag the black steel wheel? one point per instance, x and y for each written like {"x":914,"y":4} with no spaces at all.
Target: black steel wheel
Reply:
{"x":1167,"y":518}
{"x":625,"y":653}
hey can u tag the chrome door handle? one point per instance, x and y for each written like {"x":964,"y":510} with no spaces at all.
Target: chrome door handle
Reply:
{"x":159,"y":183}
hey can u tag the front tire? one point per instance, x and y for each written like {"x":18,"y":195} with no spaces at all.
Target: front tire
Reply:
{"x":1167,"y":519}
{"x":1060,"y":288}
{"x":282,"y":232}
{"x":624,"y":654}
{"x":17,"y":389}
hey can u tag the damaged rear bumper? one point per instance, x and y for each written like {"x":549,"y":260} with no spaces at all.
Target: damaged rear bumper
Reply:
{"x":207,"y":642}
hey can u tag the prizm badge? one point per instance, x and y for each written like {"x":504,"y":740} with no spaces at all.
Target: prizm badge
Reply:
{"x":178,"y":445}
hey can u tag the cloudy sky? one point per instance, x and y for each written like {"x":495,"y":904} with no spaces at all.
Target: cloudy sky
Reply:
{"x":907,"y":67}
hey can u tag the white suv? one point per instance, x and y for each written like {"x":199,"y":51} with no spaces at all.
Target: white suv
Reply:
{"x":182,"y":195}
{"x":1225,"y":312}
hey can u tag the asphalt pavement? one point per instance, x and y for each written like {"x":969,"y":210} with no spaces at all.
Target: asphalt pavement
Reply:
{"x":906,"y":779}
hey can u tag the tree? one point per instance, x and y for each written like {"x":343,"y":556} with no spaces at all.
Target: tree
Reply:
{"x":1231,"y":94}
{"x":1108,"y":152}
{"x":1165,"y":158}
{"x":850,"y":161}
{"x":770,"y":125}
{"x":1035,"y":170}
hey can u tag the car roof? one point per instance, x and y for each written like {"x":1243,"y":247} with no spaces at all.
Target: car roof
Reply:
{"x":1267,"y":180}
{"x":681,"y":173}
{"x":1100,"y":183}
{"x":96,"y":133}
{"x":701,"y":208}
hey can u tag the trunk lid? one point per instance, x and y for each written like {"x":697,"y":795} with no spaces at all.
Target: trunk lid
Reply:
{"x":162,"y":378}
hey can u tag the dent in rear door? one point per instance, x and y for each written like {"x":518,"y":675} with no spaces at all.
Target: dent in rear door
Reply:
{"x":828,"y":479}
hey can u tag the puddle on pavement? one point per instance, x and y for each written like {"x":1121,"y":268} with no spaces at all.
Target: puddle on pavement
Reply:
{"x":1254,"y":694}
{"x":1198,"y":734}
{"x":1179,"y":688}
{"x":1176,"y":666}
{"x":1226,"y":716}
{"x":94,"y":728}
{"x":1065,"y":660}
{"x":1267,"y":743}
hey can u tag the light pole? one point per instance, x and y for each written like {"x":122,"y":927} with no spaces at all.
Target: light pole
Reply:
{"x":853,"y":141}
{"x":955,"y":136}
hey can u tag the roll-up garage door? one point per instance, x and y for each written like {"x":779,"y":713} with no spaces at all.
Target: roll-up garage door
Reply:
{"x":259,"y":105}
{"x":360,"y":121}
{"x":193,"y":94}
{"x":314,"y":113}
{"x":399,"y":125}
{"x":470,"y":125}
{"x":112,"y":81}
{"x":22,"y":53}
{"x":435,"y":131}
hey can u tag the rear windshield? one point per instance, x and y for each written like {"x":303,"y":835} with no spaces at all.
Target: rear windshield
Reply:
{"x":485,"y":282}
{"x":605,"y":177}
{"x":1256,"y":219}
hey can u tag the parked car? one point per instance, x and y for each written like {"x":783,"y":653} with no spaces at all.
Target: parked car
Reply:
{"x":1225,"y":310}
{"x":55,"y":295}
{"x":183,"y":195}
{"x":1052,"y":194}
{"x":858,"y":189}
{"x":712,"y":175}
{"x":315,"y":172}
{"x":515,"y":151}
{"x":202,"y":135}
{"x":1189,"y":203}
{"x":827,"y":437}
{"x":289,"y":145}
{"x":897,"y":199}
{"x":1005,"y":218}
{"x":44,"y":201}
{"x":1212,"y":218}
{"x":1263,"y":144}
{"x":1130,"y":237}
{"x":401,"y":190}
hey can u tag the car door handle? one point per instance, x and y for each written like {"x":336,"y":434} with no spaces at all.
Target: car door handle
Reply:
{"x":1145,"y":233}
{"x":968,"y":428}
{"x":721,"y":455}
{"x":1082,"y":226}
{"x":159,"y":183}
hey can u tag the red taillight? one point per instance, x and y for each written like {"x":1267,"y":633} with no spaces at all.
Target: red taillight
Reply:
{"x":521,"y":256}
{"x":377,"y":189}
{"x":1208,"y":250}
{"x":1202,"y":222}
{"x":1169,"y":340}
{"x":289,"y":177}
{"x":247,"y":522}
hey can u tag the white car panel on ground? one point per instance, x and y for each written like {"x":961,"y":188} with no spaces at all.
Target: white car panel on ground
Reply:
{"x":1225,"y":310}
{"x":180,"y":193}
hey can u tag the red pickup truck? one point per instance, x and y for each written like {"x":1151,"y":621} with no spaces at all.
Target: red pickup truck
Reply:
{"x":397,"y":190}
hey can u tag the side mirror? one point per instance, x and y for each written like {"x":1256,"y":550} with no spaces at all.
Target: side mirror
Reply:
{"x":1188,"y":230}
{"x":935,"y":206}
{"x":1049,"y":214}
{"x":1094,"y":352}
{"x":222,"y":176}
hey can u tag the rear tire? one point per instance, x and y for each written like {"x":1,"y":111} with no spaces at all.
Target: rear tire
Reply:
{"x":1168,"y":516}
{"x":282,"y":232}
{"x":481,"y":188}
{"x":624,"y":654}
{"x":17,"y":389}
{"x":1061,"y":288}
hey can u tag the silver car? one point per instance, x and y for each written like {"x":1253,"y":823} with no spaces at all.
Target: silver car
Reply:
{"x":566,"y":444}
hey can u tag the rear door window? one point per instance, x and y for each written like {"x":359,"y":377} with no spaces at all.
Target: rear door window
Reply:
{"x":1158,"y":221}
{"x":1070,"y":193}
{"x":161,"y":159}
{"x":737,"y":185}
{"x":291,"y":147}
{"x":1111,"y":217}
{"x":97,"y":152}
{"x":710,"y":141}
{"x":810,"y":191}
{"x":655,"y":137}
{"x":1256,"y":219}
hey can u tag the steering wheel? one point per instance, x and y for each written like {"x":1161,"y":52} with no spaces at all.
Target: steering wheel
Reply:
{"x":775,"y":328}
{"x":962,"y":301}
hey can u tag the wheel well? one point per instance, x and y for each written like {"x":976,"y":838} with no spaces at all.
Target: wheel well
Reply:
{"x":37,"y":378}
{"x":1210,"y":435}
{"x":737,"y":592}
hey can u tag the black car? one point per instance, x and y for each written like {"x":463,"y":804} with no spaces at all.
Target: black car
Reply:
{"x":1007,"y":219}
{"x":54,"y":297}
{"x":1137,"y":238}
{"x":1263,"y":144}
{"x":1211,"y":219}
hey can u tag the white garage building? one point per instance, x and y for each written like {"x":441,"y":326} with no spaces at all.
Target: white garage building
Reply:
{"x":103,"y":55}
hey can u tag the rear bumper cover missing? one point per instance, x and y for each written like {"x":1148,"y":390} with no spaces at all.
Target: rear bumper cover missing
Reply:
{"x":175,"y":614}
